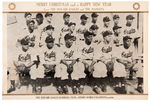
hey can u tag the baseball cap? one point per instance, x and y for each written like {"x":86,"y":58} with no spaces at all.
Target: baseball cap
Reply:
{"x":39,"y":15}
{"x":48,"y":14}
{"x":116,"y":16}
{"x":94,"y":27}
{"x":106,"y":19}
{"x":49,"y":27}
{"x":94,"y":15}
{"x":126,"y":38}
{"x":71,"y":23}
{"x":106,"y":33}
{"x":84,"y":17}
{"x":65,"y":15}
{"x":130,"y":17}
{"x":26,"y":14}
{"x":69,"y":36}
{"x":49,"y":39}
{"x":87,"y":33}
{"x":24,"y":42}
{"x":116,"y":27}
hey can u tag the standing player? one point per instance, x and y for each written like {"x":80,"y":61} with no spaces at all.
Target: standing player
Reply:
{"x":48,"y":32}
{"x":48,"y":18}
{"x":82,"y":28}
{"x":65,"y":29}
{"x":117,"y":36}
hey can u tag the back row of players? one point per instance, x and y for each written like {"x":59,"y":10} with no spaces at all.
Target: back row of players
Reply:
{"x":75,"y":54}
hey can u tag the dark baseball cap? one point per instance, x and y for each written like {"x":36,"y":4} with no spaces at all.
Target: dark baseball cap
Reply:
{"x":24,"y":41}
{"x":39,"y":15}
{"x":71,"y":23}
{"x":49,"y":27}
{"x":87,"y":33}
{"x":26,"y":14}
{"x":32,"y":21}
{"x":125,"y":38}
{"x":94,"y":27}
{"x":130,"y":17}
{"x":84,"y":17}
{"x":116,"y":16}
{"x":106,"y":33}
{"x":106,"y":19}
{"x":116,"y":27}
{"x":94,"y":15}
{"x":69,"y":36}
{"x":48,"y":14}
{"x":49,"y":39}
{"x":65,"y":15}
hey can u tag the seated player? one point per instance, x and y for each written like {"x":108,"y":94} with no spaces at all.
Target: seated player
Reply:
{"x":50,"y":57}
{"x":68,"y":60}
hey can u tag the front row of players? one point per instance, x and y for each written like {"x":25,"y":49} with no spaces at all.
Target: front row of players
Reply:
{"x":70,"y":70}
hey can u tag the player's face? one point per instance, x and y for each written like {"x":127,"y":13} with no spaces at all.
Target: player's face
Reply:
{"x":72,"y":28}
{"x":129,"y":21}
{"x":25,"y":47}
{"x":116,"y":21}
{"x":128,"y":42}
{"x":106,"y":23}
{"x":49,"y":18}
{"x":28,"y":18}
{"x":89,"y":38}
{"x":108,"y":38}
{"x":69,"y":42}
{"x":94,"y":19}
{"x":84,"y":21}
{"x":31,"y":25}
{"x":50,"y":32}
{"x":50,"y":45}
{"x":67,"y":19}
{"x":118,"y":31}
{"x":39,"y":20}
{"x":95,"y":31}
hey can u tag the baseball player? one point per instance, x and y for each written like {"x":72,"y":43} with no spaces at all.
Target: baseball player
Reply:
{"x":69,"y":56}
{"x":49,"y":31}
{"x":65,"y":29}
{"x":116,"y":19}
{"x":94,"y":18}
{"x":82,"y":28}
{"x":48,"y":19}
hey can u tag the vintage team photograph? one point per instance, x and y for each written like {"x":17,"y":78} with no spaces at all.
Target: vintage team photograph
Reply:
{"x":75,"y":53}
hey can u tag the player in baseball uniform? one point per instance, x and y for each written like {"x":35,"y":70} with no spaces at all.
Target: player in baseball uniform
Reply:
{"x":94,"y":18}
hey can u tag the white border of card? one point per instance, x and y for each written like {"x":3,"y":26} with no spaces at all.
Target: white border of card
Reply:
{"x":75,"y":50}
